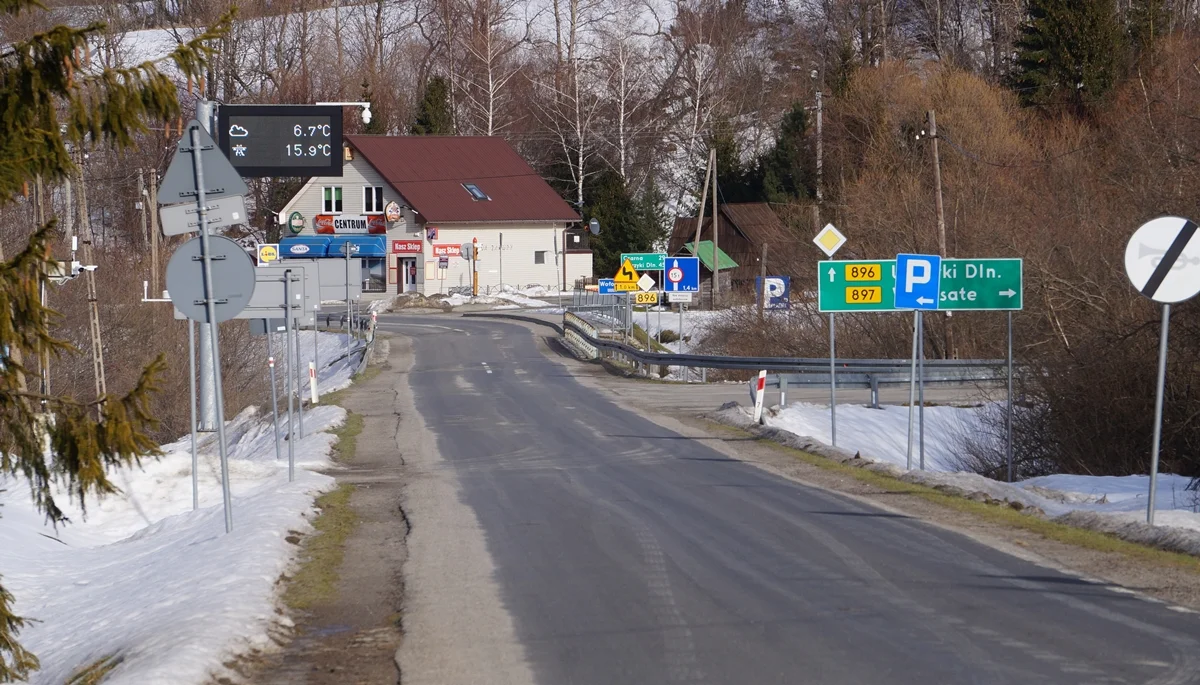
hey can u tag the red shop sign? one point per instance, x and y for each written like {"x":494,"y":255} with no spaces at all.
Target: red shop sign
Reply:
{"x":406,"y":246}
{"x":447,"y":250}
{"x":350,"y":223}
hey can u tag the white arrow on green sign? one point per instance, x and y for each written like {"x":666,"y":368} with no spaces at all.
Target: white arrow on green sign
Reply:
{"x":966,"y":285}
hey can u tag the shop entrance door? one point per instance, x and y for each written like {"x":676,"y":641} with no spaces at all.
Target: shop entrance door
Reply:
{"x":408,"y":271}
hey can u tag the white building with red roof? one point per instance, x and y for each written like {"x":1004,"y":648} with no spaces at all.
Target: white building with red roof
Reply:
{"x":410,"y":202}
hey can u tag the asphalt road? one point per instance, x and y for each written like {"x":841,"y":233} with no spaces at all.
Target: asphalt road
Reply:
{"x":626,"y":553}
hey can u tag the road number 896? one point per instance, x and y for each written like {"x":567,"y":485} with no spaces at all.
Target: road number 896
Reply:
{"x":862,"y":272}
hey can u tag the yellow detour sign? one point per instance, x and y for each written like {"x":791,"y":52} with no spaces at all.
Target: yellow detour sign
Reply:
{"x":267,"y":253}
{"x":646,"y":298}
{"x":626,"y":278}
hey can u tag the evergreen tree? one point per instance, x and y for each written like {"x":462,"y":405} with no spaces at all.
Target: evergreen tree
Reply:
{"x":433,"y":114}
{"x":1068,"y":52}
{"x":627,"y":223}
{"x":786,"y":172}
{"x":45,"y":80}
{"x":1148,"y":21}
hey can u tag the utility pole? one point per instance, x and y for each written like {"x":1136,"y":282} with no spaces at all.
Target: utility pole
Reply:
{"x":820,"y":145}
{"x":153,"y":203}
{"x":141,"y":206}
{"x":941,"y":221}
{"x":703,"y":200}
{"x":93,"y":297}
{"x":762,"y":282}
{"x":43,"y":353}
{"x":816,"y":207}
{"x":716,"y":230}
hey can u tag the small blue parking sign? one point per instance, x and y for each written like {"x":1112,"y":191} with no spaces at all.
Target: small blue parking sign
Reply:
{"x":606,"y":286}
{"x":918,"y":280}
{"x":778,"y":291}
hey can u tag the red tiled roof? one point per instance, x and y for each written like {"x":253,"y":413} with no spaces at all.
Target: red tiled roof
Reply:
{"x":429,"y":172}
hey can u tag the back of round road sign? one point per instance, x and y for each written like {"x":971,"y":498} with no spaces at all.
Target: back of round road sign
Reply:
{"x":1162,"y":259}
{"x":233,"y":279}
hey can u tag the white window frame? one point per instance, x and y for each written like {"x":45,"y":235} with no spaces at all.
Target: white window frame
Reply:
{"x":372,"y":200}
{"x":334,"y":204}
{"x":542,"y":254}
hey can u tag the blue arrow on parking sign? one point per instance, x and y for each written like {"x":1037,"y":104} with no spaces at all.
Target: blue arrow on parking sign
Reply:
{"x":918,"y":280}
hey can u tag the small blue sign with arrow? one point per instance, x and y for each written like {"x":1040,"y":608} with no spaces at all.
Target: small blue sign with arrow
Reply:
{"x":918,"y":281}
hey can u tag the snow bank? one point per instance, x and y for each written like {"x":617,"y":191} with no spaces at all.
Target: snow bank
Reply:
{"x":696,"y":325}
{"x":500,"y":300}
{"x":146,"y":579}
{"x":882,"y":435}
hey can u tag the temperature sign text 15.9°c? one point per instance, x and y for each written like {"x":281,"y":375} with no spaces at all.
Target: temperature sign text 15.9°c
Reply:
{"x":282,"y":140}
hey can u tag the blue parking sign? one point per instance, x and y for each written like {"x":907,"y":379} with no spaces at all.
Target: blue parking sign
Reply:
{"x":918,"y":280}
{"x":778,"y":291}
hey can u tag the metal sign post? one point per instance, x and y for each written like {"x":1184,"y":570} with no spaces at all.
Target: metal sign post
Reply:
{"x":1162,"y":260}
{"x":832,"y":381}
{"x":210,"y":306}
{"x":921,"y":387}
{"x":830,"y":240}
{"x":299,"y":382}
{"x":274,"y":389}
{"x":912,"y":391}
{"x":287,"y":353}
{"x":1008,"y":419}
{"x":348,"y":249}
{"x":192,"y":407}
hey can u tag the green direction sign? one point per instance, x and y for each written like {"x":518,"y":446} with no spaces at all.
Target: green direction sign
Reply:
{"x":646,"y":261}
{"x":857,"y":286}
{"x":966,"y":284}
{"x":981,"y":284}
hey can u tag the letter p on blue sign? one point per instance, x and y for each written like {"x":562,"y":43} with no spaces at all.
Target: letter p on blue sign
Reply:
{"x":919,"y":281}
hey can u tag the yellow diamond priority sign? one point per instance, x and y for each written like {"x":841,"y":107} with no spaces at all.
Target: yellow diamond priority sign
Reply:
{"x":626,"y":279}
{"x":829,"y":240}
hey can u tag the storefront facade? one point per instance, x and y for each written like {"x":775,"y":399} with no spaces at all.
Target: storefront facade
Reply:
{"x":412,"y":242}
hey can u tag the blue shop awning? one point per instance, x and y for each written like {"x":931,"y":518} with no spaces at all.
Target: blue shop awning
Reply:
{"x":368,"y":245}
{"x":304,"y":246}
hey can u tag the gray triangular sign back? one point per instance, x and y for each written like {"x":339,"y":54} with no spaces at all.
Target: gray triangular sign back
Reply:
{"x":220,"y":178}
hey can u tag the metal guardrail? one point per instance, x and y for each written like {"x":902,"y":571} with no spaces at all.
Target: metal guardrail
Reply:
{"x":584,"y":337}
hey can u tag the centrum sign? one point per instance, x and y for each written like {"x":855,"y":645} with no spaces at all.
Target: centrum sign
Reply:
{"x":965,"y":285}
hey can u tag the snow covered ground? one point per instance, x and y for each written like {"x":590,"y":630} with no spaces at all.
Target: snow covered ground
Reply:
{"x":509,"y":298}
{"x":882,"y":435}
{"x":145,"y":578}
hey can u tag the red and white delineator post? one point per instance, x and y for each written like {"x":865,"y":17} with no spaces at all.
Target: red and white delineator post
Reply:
{"x":312,"y":382}
{"x":759,"y":394}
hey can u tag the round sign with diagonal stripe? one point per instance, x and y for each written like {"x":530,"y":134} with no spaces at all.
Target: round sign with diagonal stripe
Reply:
{"x":1162,"y":259}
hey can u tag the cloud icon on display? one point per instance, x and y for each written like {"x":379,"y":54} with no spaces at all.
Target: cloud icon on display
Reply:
{"x":236,"y":131}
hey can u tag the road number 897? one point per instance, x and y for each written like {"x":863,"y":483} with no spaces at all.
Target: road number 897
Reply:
{"x":864,"y":295}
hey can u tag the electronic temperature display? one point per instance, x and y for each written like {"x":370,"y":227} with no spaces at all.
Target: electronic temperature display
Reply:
{"x":282,"y":140}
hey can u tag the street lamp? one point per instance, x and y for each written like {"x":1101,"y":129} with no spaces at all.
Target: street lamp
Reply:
{"x":366,"y":108}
